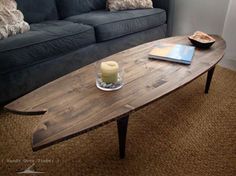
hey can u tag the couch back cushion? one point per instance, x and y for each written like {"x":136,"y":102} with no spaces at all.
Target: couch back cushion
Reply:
{"x":162,"y":4}
{"x":67,"y":8}
{"x":36,"y":11}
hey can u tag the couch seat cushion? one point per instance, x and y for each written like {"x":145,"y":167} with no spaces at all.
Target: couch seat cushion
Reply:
{"x":43,"y":41}
{"x":110,"y":25}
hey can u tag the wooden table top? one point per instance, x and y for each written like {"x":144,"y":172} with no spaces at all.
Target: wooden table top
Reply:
{"x":73,"y":105}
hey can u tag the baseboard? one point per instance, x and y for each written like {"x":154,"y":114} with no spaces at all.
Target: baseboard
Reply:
{"x":228,"y":63}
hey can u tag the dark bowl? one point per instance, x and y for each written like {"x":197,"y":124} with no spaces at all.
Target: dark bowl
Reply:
{"x":200,"y":44}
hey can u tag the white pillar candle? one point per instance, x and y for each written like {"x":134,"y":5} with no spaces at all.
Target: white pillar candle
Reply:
{"x":109,"y":71}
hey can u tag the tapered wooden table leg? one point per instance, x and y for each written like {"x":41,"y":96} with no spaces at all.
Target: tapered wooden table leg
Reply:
{"x":122,"y":125}
{"x":209,"y":78}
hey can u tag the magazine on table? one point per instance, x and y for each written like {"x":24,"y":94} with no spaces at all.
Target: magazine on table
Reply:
{"x":173,"y":53}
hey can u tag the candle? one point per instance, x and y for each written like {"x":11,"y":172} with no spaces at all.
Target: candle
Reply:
{"x":109,"y":71}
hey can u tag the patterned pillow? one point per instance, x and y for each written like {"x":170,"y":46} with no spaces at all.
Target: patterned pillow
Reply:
{"x":116,"y":5}
{"x":11,"y":20}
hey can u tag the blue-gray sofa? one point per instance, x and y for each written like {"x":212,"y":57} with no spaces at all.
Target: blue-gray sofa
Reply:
{"x":68,"y":34}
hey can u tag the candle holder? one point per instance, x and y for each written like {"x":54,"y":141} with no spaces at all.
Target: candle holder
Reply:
{"x":109,"y":75}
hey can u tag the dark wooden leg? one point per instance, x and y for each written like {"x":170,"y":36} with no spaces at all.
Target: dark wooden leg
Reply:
{"x":122,"y":125}
{"x":209,"y":78}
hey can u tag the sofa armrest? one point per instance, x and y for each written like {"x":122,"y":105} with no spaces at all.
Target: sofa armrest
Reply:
{"x":168,"y":6}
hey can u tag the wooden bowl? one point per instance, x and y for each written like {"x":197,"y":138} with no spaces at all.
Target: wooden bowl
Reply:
{"x":201,"y":40}
{"x":199,"y":44}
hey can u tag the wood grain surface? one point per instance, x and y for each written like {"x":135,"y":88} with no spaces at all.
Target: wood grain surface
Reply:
{"x":73,"y":105}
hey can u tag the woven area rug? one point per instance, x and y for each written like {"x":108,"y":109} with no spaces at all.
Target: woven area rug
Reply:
{"x":187,"y":133}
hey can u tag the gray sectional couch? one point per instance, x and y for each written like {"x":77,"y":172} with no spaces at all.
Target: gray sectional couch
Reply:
{"x":68,"y":34}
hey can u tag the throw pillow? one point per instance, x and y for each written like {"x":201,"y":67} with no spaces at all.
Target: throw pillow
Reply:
{"x":11,"y":20}
{"x":116,"y":5}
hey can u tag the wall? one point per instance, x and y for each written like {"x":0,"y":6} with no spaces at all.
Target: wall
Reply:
{"x":205,"y":15}
{"x":229,"y":32}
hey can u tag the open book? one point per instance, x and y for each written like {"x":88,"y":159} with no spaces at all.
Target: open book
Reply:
{"x":173,"y":52}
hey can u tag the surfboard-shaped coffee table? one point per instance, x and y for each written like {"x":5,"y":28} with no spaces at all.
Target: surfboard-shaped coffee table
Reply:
{"x":72,"y":104}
